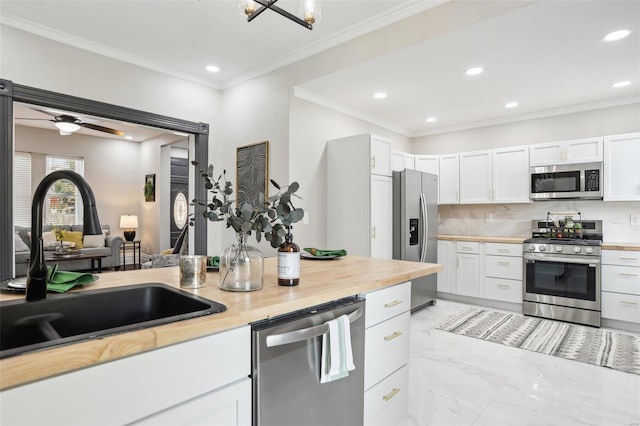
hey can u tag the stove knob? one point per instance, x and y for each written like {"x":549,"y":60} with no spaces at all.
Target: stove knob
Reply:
{"x":559,"y":248}
{"x":532,"y":247}
{"x":588,"y":250}
{"x":576,"y":249}
{"x":542,"y":248}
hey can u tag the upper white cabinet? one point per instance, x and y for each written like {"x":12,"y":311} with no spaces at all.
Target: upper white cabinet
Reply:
{"x":476,"y":177}
{"x":567,"y":152}
{"x":621,"y":170}
{"x":427,"y":163}
{"x":402,"y":160}
{"x":449,"y":179}
{"x":511,"y":175}
{"x":356,"y":178}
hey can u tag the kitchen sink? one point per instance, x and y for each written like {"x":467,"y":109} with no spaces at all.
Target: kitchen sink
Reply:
{"x":72,"y":317}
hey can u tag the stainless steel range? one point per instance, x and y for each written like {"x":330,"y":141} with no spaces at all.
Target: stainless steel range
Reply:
{"x":562,"y":270}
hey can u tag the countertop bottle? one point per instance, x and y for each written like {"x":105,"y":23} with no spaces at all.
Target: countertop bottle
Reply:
{"x":288,"y":261}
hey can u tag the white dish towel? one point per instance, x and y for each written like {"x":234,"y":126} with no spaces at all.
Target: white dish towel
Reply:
{"x":337,"y":355}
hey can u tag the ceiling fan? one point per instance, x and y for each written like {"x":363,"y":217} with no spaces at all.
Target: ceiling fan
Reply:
{"x":68,"y":124}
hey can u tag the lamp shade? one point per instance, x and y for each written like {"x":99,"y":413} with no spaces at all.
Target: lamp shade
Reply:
{"x":129,"y":221}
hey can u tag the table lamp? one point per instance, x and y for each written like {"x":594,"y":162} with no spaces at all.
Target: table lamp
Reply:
{"x":129,"y":223}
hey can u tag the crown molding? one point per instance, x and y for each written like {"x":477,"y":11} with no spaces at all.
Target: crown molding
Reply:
{"x":344,"y":109}
{"x":81,"y":43}
{"x":395,"y":14}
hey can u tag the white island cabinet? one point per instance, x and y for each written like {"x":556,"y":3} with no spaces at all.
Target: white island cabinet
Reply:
{"x":205,"y":378}
{"x":360,"y":195}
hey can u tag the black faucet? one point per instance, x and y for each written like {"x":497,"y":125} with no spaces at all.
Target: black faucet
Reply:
{"x":37,"y":275}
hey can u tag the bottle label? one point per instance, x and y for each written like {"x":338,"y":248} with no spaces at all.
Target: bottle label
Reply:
{"x":289,"y":265}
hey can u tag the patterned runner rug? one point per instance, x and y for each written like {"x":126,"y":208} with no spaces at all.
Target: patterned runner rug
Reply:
{"x":585,"y":344}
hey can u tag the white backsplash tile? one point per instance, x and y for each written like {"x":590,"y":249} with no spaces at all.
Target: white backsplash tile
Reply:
{"x":514,"y":220}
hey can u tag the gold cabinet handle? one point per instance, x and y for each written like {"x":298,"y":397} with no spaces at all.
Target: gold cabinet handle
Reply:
{"x":628,"y":275}
{"x":392,"y":304}
{"x":502,"y":286}
{"x":373,"y":232}
{"x":373,"y":162}
{"x":503,"y":250}
{"x":392,"y":336}
{"x":629,"y":258}
{"x":504,"y":263}
{"x":391,"y":394}
{"x":627,"y":302}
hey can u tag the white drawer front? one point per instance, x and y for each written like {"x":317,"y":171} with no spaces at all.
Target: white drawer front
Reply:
{"x":503,"y":249}
{"x":386,"y":348}
{"x":621,"y":279}
{"x":623,"y":307}
{"x":502,"y":289}
{"x":467,"y":247}
{"x":503,"y":267}
{"x":388,"y":402}
{"x":621,"y":257}
{"x":387,"y":303}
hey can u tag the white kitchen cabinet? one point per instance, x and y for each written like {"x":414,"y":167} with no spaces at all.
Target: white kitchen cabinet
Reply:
{"x":566,"y":152}
{"x":449,"y":179}
{"x":447,"y":258}
{"x":387,"y":322}
{"x":428,"y":164}
{"x":138,"y":387}
{"x":476,"y":177}
{"x":503,"y":272}
{"x":402,"y":160}
{"x":359,"y":196}
{"x":467,"y":269}
{"x":621,"y":285}
{"x":511,"y":175}
{"x":621,"y":171}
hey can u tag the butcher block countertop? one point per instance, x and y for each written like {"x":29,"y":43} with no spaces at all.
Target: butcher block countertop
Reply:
{"x":621,"y":246}
{"x":480,"y":239}
{"x":321,"y":281}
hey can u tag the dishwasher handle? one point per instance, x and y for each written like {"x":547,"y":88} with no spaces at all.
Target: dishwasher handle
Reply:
{"x":306,"y":333}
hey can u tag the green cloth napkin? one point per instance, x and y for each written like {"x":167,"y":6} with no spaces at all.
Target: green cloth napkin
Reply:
{"x":214,"y":261}
{"x":318,"y":252}
{"x":61,"y":281}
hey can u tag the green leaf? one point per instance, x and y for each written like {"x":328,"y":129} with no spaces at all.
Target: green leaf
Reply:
{"x":297,"y":215}
{"x":273,"y":182}
{"x":283,"y":210}
{"x":210,"y":170}
{"x":293,"y":187}
{"x":245,"y":227}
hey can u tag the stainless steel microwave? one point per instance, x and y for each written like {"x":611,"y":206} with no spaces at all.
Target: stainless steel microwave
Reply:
{"x":566,"y":181}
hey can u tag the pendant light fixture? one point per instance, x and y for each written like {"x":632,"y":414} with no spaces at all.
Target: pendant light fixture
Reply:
{"x":308,"y":15}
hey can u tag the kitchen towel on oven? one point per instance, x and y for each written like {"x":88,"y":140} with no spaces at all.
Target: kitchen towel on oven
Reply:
{"x":337,"y":355}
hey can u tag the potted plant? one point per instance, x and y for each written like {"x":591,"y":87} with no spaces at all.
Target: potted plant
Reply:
{"x":241,"y":266}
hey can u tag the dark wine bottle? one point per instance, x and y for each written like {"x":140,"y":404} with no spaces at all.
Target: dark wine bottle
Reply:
{"x":288,"y":261}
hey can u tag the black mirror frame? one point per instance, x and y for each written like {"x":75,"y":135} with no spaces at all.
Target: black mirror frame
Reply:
{"x":10,"y":93}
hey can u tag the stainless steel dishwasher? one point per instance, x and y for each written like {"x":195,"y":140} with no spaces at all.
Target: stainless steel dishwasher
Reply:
{"x":286,"y":354}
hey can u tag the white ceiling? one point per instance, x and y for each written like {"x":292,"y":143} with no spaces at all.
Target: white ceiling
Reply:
{"x":548,"y":56}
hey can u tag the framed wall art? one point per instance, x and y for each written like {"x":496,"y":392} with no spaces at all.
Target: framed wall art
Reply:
{"x":252,"y":172}
{"x":150,"y":188}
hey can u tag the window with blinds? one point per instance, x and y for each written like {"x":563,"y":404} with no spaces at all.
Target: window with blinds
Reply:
{"x":22,"y":189}
{"x":63,"y":201}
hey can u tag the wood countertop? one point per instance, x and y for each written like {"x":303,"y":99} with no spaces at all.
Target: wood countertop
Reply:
{"x":481,"y":239}
{"x":621,"y":246}
{"x":320,"y":282}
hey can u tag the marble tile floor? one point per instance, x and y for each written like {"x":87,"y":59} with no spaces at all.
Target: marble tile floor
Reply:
{"x":458,"y":380}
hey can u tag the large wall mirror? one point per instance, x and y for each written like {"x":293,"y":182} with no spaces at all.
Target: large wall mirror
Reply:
{"x":18,"y":101}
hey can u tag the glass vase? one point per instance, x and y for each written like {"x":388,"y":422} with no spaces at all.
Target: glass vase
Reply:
{"x":241,"y":266}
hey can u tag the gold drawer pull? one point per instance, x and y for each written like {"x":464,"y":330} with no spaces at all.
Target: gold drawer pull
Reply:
{"x":628,"y":275}
{"x":504,"y":263}
{"x":392,"y":336}
{"x":502,"y":285}
{"x":392,"y":304}
{"x":627,"y":302}
{"x":467,"y":248}
{"x":628,"y":258}
{"x":503,"y":250}
{"x":391,"y":394}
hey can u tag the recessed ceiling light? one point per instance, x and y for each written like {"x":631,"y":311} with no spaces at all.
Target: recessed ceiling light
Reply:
{"x":620,"y":84}
{"x":380,"y":95}
{"x":617,"y":35}
{"x":474,"y":71}
{"x":432,"y":120}
{"x":212,"y":68}
{"x":129,"y":137}
{"x":511,"y":105}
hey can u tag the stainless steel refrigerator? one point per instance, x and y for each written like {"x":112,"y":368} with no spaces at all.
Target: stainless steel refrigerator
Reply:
{"x":415,"y":228}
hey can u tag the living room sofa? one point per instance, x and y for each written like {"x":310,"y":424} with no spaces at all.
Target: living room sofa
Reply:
{"x":110,"y":249}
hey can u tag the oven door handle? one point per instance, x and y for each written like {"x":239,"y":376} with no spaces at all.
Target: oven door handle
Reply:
{"x":306,"y":333}
{"x":559,"y":258}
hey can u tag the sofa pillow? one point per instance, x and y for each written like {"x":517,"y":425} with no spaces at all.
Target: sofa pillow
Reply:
{"x":48,"y":238}
{"x":73,"y":237}
{"x":19,"y":244}
{"x":93,"y":241}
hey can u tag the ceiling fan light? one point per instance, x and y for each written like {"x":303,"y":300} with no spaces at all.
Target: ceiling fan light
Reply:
{"x":68,"y":128}
{"x":310,"y":11}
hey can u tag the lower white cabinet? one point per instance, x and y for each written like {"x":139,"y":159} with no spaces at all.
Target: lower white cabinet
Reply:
{"x":621,"y":285}
{"x":467,"y":268}
{"x":142,"y":386}
{"x":386,"y":355}
{"x":388,"y":401}
{"x":446,"y":257}
{"x":503,"y":272}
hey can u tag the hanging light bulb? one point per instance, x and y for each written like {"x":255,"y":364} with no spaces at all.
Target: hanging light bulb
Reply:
{"x":310,"y":11}
{"x":247,"y":7}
